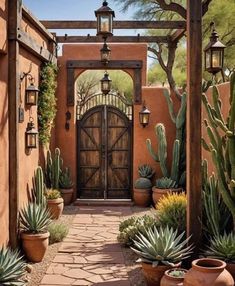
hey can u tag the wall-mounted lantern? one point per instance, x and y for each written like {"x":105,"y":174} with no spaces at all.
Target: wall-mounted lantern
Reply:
{"x":105,"y":17}
{"x":214,"y":53}
{"x":105,"y":53}
{"x":106,"y":83}
{"x":31,"y":135}
{"x":144,"y":116}
{"x":31,"y":94}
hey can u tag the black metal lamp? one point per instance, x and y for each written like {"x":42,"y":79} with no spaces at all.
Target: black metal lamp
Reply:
{"x":105,"y":53}
{"x":105,"y":17}
{"x":214,"y":53}
{"x":144,"y":116}
{"x":31,"y":135}
{"x":31,"y":94}
{"x":106,"y":83}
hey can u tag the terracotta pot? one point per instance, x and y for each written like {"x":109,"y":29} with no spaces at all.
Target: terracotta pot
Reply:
{"x":231,"y":269}
{"x":142,"y":197}
{"x":158,"y":193}
{"x":153,"y":275}
{"x":67,"y":195}
{"x":208,"y":272}
{"x":35,"y":245}
{"x":168,"y":280}
{"x":55,"y":207}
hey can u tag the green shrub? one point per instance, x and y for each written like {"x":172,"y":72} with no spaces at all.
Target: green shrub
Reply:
{"x":133,"y":225}
{"x":52,"y":194}
{"x":58,"y":231}
{"x":171,"y":211}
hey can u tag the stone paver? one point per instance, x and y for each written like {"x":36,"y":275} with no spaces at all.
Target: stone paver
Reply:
{"x":90,"y":254}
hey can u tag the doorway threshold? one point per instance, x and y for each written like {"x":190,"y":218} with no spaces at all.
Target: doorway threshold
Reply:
{"x":104,"y":202}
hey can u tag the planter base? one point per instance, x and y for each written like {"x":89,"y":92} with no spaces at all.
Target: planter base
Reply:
{"x":142,"y":197}
{"x":153,"y":275}
{"x":55,"y":207}
{"x":67,"y":195}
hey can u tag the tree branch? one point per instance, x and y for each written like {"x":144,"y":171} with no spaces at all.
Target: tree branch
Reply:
{"x":174,"y":7}
{"x":205,"y":6}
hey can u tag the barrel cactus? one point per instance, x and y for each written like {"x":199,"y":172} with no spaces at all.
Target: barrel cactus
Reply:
{"x":146,"y":172}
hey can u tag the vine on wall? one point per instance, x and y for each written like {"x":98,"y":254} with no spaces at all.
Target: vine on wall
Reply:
{"x":47,"y":102}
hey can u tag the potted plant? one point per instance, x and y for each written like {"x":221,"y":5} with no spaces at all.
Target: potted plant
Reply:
{"x":142,"y":192}
{"x":223,"y":247}
{"x":34,"y":220}
{"x":66,"y":186}
{"x":173,"y":277}
{"x":12,"y":267}
{"x":55,"y":203}
{"x":159,"y":250}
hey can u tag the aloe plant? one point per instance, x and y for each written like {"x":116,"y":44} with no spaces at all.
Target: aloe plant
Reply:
{"x":12,"y":267}
{"x":162,"y":246}
{"x":65,"y":179}
{"x":35,"y":218}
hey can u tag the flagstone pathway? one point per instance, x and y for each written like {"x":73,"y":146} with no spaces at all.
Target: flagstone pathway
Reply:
{"x":90,"y":254}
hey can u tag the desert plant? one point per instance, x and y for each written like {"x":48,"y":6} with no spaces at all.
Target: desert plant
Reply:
{"x":65,"y":179}
{"x":171,"y":211}
{"x":177,"y":272}
{"x":222,"y":143}
{"x":52,"y":194}
{"x":39,"y":186}
{"x":222,"y":247}
{"x":58,"y":231}
{"x":35,"y":218}
{"x":133,"y":225}
{"x":165,"y":183}
{"x":146,"y":171}
{"x":12,"y":267}
{"x":161,"y":246}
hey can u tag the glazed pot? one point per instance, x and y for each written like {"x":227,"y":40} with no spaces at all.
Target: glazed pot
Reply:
{"x":142,"y":197}
{"x":67,"y":195}
{"x":208,"y":272}
{"x":55,"y":207}
{"x":168,"y":280}
{"x":231,"y":269}
{"x":159,"y":193}
{"x":35,"y":245}
{"x":153,"y":275}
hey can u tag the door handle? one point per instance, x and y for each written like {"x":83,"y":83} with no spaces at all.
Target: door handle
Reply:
{"x":110,"y":158}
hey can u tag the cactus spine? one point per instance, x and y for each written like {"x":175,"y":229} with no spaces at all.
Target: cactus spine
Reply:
{"x":221,"y":133}
{"x":53,"y":169}
{"x":177,"y":173}
{"x":39,"y":187}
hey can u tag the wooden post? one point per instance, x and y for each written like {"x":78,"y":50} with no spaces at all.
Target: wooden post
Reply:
{"x":194,"y":82}
{"x":14,"y":16}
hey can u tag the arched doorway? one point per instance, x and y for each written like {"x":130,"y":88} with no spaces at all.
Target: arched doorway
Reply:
{"x":104,"y":140}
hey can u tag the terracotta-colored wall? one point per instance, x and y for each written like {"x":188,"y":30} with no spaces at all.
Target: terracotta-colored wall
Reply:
{"x":224,"y":90}
{"x":4,"y":162}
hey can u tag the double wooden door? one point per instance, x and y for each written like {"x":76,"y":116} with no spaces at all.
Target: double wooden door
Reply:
{"x":104,"y":154}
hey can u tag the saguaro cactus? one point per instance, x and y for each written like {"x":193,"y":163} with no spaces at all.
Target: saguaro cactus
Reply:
{"x":221,"y":133}
{"x":38,"y":186}
{"x":177,"y":173}
{"x":53,"y":169}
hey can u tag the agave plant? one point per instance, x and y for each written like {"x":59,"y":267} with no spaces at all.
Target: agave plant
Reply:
{"x":222,"y":247}
{"x":161,"y":246}
{"x":35,"y":218}
{"x":12,"y":267}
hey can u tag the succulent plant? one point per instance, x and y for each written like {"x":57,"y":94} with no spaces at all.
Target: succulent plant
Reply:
{"x":143,"y":183}
{"x":65,"y":179}
{"x":12,"y":267}
{"x":161,"y":246}
{"x":177,"y":272}
{"x":222,"y":247}
{"x":166,"y":183}
{"x":39,"y":187}
{"x":35,"y":218}
{"x":146,"y":171}
{"x":52,"y":194}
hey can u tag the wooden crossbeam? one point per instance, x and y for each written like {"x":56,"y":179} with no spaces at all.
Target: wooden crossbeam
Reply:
{"x":60,"y":24}
{"x":114,"y":39}
{"x":177,"y":35}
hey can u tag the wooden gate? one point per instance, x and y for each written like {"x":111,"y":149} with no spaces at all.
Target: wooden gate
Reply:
{"x":105,"y":148}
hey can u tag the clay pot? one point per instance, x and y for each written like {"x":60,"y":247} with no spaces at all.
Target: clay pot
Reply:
{"x":55,"y":207}
{"x":168,"y":280}
{"x":67,"y":195}
{"x":231,"y":269}
{"x":35,"y":245}
{"x":153,"y":275}
{"x":208,"y":272}
{"x":142,"y":197}
{"x":158,"y":193}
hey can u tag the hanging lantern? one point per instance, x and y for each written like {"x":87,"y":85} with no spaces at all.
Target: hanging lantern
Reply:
{"x":31,"y":135}
{"x":214,"y":53}
{"x":31,"y":94}
{"x":144,"y":116}
{"x":105,"y":53}
{"x":105,"y":17}
{"x":106,"y":84}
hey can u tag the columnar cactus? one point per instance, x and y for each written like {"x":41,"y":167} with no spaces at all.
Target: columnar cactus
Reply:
{"x":177,"y":173}
{"x":39,"y":187}
{"x":53,"y":169}
{"x":221,"y":133}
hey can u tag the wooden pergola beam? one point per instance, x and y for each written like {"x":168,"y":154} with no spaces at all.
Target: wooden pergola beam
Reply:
{"x":177,"y":35}
{"x":61,"y":24}
{"x":114,"y":39}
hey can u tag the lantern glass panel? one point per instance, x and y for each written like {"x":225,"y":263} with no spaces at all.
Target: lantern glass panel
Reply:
{"x":31,"y":97}
{"x":208,"y":59}
{"x":216,"y":59}
{"x":31,"y":140}
{"x":105,"y":56}
{"x":105,"y":24}
{"x":105,"y":86}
